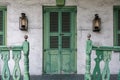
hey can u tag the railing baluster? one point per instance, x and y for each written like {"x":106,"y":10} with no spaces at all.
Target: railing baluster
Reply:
{"x":26,"y":58}
{"x":106,"y":70}
{"x":5,"y":55}
{"x":16,"y":58}
{"x":96,"y":71}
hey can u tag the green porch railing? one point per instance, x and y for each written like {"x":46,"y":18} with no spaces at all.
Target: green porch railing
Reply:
{"x":103,"y":53}
{"x":15,"y":51}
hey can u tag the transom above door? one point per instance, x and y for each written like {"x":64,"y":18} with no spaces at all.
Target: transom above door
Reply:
{"x":59,"y":40}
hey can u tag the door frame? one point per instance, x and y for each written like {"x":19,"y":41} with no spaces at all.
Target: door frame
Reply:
{"x":67,"y":8}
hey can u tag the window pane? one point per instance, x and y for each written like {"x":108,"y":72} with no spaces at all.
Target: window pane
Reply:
{"x":1,"y":20}
{"x":53,"y":21}
{"x":65,"y":21}
{"x":65,"y":41}
{"x":53,"y":41}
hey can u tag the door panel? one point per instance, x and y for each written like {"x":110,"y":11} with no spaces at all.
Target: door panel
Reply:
{"x":51,"y":61}
{"x":66,"y":61}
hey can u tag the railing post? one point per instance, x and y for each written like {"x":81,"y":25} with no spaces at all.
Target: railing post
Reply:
{"x":88,"y":58}
{"x":26,"y":58}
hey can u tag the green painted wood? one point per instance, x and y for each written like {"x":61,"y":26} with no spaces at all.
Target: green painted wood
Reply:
{"x":88,"y":58}
{"x":60,"y":2}
{"x":97,"y":72}
{"x":116,"y":29}
{"x":102,"y":52}
{"x":106,"y":70}
{"x":5,"y":56}
{"x":16,"y":70}
{"x":2,"y":24}
{"x":59,"y":41}
{"x":26,"y":59}
{"x":107,"y":48}
{"x":16,"y":53}
{"x":119,"y":75}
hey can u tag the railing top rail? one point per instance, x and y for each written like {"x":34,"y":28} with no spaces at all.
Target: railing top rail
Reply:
{"x":102,"y":48}
{"x":106,"y":48}
{"x":2,"y":48}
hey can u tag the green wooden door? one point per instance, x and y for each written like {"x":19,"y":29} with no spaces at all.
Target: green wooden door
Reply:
{"x":59,"y":40}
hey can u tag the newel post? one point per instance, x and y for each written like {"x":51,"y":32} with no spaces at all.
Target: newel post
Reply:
{"x":88,"y":58}
{"x":26,"y":58}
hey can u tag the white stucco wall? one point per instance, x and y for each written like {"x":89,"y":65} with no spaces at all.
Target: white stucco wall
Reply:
{"x":85,"y":14}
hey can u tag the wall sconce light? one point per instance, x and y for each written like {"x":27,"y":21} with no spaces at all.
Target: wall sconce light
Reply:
{"x":96,"y":23}
{"x":23,"y":22}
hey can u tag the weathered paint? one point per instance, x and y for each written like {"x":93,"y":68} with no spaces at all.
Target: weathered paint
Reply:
{"x":103,"y":53}
{"x":59,"y":59}
{"x":15,"y":51}
{"x":85,"y":14}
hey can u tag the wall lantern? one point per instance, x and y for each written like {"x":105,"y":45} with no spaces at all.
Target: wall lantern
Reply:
{"x":96,"y":23}
{"x":23,"y":22}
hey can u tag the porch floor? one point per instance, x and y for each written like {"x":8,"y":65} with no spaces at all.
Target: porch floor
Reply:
{"x":62,"y":77}
{"x":65,"y":77}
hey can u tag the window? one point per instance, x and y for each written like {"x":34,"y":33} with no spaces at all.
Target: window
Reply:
{"x":59,"y":40}
{"x":2,"y":24}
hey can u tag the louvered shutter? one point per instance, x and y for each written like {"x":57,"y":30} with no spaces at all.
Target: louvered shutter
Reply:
{"x":65,"y":21}
{"x":66,"y":29}
{"x":65,"y":41}
{"x":1,"y":28}
{"x":53,"y":29}
{"x":53,"y":41}
{"x":54,"y":22}
{"x":118,"y":32}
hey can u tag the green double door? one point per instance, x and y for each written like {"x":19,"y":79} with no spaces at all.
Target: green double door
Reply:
{"x":59,"y":40}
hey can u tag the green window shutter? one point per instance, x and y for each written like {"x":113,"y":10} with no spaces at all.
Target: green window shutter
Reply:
{"x":116,"y":24}
{"x":2,"y":25}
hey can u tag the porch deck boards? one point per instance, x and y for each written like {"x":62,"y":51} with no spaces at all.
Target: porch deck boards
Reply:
{"x":62,"y":77}
{"x":65,"y":77}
